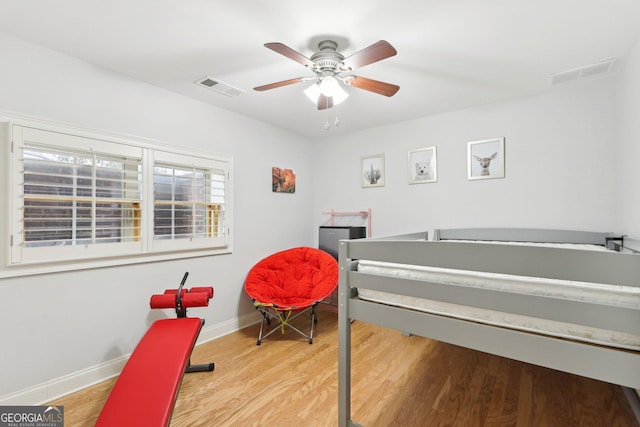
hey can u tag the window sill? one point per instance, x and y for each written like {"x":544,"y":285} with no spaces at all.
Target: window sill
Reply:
{"x":30,"y":270}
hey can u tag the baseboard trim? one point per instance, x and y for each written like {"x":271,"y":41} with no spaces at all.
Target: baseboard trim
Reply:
{"x":225,"y":328}
{"x":62,"y":386}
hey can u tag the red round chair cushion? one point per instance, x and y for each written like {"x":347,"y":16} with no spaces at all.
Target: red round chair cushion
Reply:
{"x":297,"y":277}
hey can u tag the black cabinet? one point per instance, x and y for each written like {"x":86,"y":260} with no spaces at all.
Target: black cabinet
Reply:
{"x":331,"y":235}
{"x":328,"y":241}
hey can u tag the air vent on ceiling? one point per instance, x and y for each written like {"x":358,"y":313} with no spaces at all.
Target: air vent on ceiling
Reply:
{"x":584,"y":72}
{"x":220,"y":87}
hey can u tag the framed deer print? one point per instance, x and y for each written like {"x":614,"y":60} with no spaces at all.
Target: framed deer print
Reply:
{"x":485,"y":159}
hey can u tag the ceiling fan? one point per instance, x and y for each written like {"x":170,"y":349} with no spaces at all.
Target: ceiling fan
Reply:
{"x":328,"y":64}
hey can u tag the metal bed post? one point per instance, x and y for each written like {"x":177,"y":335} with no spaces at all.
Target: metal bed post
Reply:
{"x":344,"y":340}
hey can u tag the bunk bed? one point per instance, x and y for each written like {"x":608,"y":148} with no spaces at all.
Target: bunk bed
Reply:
{"x":566,"y":300}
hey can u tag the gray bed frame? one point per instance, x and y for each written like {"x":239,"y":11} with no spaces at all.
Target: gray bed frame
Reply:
{"x":594,"y":361}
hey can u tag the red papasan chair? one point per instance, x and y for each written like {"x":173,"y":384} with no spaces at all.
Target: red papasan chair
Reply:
{"x":290,"y":283}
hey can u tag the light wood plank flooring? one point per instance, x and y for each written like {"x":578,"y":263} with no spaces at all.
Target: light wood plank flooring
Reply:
{"x":397,"y":381}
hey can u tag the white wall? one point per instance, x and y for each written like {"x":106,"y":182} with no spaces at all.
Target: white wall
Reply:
{"x":59,"y":324}
{"x":559,"y":156}
{"x":628,"y":138}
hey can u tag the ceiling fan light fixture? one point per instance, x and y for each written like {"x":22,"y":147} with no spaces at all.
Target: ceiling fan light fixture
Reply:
{"x":329,"y":87}
{"x":313,"y":92}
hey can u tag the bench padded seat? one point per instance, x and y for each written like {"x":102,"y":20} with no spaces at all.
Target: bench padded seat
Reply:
{"x":147,"y":388}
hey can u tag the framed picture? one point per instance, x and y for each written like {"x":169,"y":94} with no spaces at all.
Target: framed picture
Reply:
{"x":485,"y":159}
{"x":283,"y":180}
{"x":372,"y":171}
{"x":423,"y":166}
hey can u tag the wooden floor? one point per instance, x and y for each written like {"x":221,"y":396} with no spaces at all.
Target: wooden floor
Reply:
{"x":396,"y":381}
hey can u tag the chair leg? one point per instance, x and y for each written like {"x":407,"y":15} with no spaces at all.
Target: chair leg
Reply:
{"x":313,"y":321}
{"x":265,"y":316}
{"x":261,"y":327}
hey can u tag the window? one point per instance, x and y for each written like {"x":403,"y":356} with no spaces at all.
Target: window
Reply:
{"x":184,"y":202}
{"x":78,"y":198}
{"x":82,"y":198}
{"x":189,"y":201}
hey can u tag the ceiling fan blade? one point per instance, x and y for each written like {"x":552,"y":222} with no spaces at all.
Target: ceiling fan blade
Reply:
{"x":279,"y":84}
{"x":374,"y":53}
{"x":382,"y":88}
{"x":325,"y":102}
{"x":289,"y":53}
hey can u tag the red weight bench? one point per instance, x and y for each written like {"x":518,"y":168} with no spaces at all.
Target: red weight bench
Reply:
{"x":146,"y":390}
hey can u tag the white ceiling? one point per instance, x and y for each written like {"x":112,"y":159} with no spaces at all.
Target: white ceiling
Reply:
{"x":452,"y":54}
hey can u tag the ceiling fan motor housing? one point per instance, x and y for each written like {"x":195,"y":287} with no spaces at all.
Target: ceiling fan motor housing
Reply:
{"x":327,"y":58}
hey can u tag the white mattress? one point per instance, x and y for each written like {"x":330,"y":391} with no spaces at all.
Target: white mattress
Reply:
{"x":615,"y":295}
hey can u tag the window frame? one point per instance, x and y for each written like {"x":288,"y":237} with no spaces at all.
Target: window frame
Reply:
{"x":19,"y":260}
